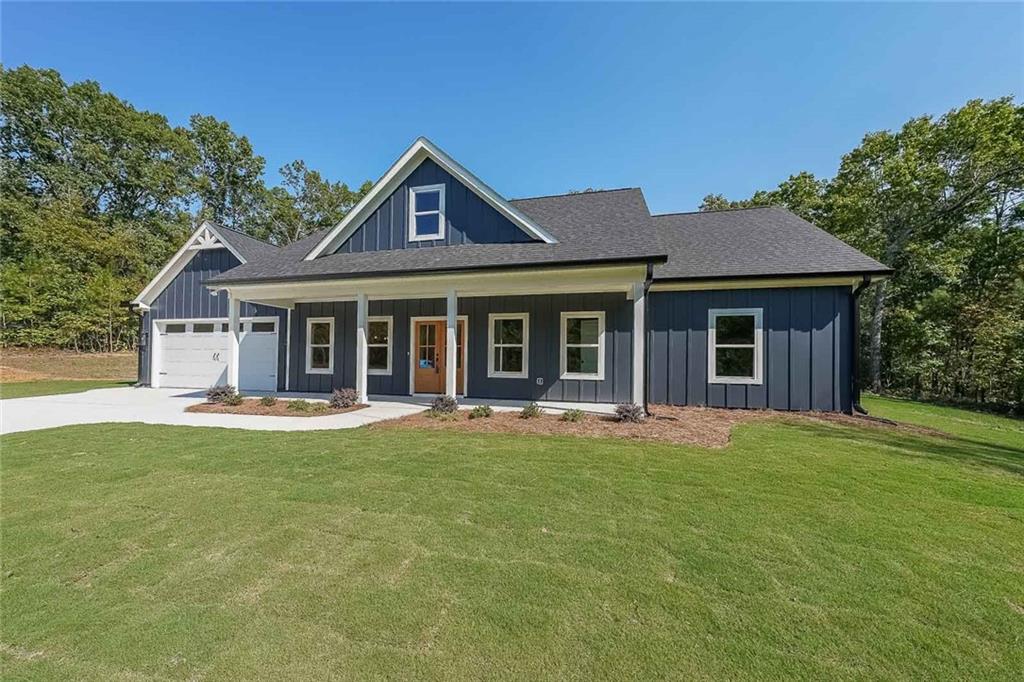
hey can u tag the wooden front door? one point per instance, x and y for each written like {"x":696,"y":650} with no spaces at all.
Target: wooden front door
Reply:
{"x":430,"y":366}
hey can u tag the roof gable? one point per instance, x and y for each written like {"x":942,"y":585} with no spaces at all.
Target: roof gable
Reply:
{"x":413,"y":157}
{"x":208,"y":235}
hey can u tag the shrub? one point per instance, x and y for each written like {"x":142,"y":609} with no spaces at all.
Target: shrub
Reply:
{"x":531,"y":411}
{"x":299,"y":405}
{"x":321,"y":407}
{"x":268,"y":401}
{"x":217,"y":394}
{"x":344,"y":397}
{"x":233,"y":400}
{"x":444,"y":404}
{"x":443,"y":416}
{"x":573,"y":415}
{"x":630,"y":412}
{"x":481,"y":411}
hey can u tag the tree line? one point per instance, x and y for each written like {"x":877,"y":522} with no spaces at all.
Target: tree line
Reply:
{"x":96,"y":195}
{"x":940,"y":201}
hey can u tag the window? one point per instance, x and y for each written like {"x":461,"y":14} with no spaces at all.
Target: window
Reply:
{"x":320,"y":345}
{"x":174,"y":328}
{"x":734,"y":346}
{"x":583,"y":346}
{"x":508,"y":340}
{"x":378,"y":345}
{"x":263,"y":327}
{"x":426,"y":213}
{"x":202,"y":328}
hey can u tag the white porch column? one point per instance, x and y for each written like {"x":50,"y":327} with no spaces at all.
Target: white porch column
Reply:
{"x":639,"y":348}
{"x":361,"y":360}
{"x":234,"y":310}
{"x":451,"y":346}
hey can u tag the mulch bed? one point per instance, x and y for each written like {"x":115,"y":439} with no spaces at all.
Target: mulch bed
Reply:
{"x":704,"y":426}
{"x":278,"y":409}
{"x":689,"y":425}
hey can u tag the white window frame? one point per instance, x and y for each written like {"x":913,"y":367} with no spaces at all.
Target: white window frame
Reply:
{"x":758,"y":345}
{"x":413,"y":191}
{"x":564,"y":346}
{"x":492,"y":346}
{"x":390,"y":344}
{"x":309,"y":346}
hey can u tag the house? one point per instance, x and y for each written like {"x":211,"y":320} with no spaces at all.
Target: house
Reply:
{"x":436,"y":284}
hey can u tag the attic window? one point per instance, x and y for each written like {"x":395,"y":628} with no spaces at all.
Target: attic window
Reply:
{"x":426,"y":213}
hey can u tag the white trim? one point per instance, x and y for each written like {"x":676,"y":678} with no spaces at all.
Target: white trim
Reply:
{"x":420,"y":150}
{"x":309,"y":347}
{"x":763,"y":283}
{"x":412,"y":350}
{"x":287,"y":350}
{"x":758,"y":345}
{"x":205,"y":236}
{"x":412,"y":213}
{"x":577,"y":376}
{"x":391,"y":342}
{"x":491,"y":355}
{"x":639,"y":345}
{"x":234,"y":341}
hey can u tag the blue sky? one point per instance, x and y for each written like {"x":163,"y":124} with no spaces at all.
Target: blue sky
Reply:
{"x":681,"y":100}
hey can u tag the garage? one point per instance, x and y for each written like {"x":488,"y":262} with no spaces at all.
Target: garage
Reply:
{"x":194,"y":353}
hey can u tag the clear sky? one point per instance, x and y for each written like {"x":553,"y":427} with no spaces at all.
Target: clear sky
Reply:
{"x":681,"y":100}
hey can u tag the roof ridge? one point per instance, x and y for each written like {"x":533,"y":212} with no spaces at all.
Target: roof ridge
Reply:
{"x":569,"y":194}
{"x":244,"y":234}
{"x":719,"y":210}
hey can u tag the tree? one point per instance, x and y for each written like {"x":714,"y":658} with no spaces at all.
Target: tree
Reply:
{"x":228,"y":176}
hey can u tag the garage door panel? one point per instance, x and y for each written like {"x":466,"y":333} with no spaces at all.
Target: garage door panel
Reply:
{"x":199,"y":360}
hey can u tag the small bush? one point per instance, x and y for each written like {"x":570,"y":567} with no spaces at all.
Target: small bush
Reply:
{"x":217,"y":394}
{"x":233,"y":400}
{"x":344,"y":397}
{"x":321,"y":407}
{"x":443,"y":416}
{"x":268,"y":401}
{"x":531,"y":411}
{"x":444,"y":404}
{"x":573,"y":415}
{"x":299,"y":405}
{"x":481,"y":411}
{"x":630,"y":412}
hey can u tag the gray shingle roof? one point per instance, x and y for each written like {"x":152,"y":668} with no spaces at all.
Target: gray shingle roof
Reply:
{"x":752,"y":242}
{"x":251,"y":248}
{"x":605,"y":226}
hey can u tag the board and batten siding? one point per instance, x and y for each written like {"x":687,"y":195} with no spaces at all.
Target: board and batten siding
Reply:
{"x":468,"y":218}
{"x":808,"y":349}
{"x":186,"y":298}
{"x":544,"y":346}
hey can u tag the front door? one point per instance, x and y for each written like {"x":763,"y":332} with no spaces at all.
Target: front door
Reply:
{"x":430,"y":367}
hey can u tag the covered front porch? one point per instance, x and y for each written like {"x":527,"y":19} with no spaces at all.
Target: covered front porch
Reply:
{"x":568,"y":336}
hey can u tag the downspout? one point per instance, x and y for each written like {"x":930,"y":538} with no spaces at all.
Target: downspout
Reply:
{"x":647,"y":321}
{"x":857,"y":407}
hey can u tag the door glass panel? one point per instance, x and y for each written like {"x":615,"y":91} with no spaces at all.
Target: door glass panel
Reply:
{"x":428,"y":346}
{"x":263,"y":326}
{"x":175,"y":329}
{"x":202,"y":328}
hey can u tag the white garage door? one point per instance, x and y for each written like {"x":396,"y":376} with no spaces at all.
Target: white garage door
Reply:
{"x":194,"y":354}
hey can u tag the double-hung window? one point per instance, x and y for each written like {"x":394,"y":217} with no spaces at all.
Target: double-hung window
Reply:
{"x":320,"y":345}
{"x":582,"y":355}
{"x":508,"y":345}
{"x":735,"y":346}
{"x":378,"y":345}
{"x":426,"y":213}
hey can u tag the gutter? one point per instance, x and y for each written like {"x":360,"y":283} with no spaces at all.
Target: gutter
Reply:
{"x":778,"y":275}
{"x":430,"y":271}
{"x":857,"y":407}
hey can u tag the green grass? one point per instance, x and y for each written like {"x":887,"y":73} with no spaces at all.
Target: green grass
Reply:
{"x":28,"y":389}
{"x":806,"y":549}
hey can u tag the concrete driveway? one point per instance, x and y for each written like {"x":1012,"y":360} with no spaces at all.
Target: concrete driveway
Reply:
{"x":167,"y":406}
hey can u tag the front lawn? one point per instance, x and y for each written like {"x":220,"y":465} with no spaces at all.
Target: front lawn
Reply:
{"x":804,"y":549}
{"x":28,"y":389}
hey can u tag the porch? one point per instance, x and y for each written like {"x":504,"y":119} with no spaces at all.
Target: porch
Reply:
{"x":562,"y":338}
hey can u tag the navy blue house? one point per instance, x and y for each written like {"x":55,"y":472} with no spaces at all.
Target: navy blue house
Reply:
{"x":435,"y":284}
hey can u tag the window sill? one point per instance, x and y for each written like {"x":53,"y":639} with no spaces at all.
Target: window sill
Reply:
{"x":379,"y":372}
{"x":582,"y":377}
{"x":507,"y":375}
{"x":742,"y":381}
{"x":326,"y":370}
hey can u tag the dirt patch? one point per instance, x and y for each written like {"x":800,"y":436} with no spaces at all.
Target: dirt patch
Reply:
{"x":864,"y":420}
{"x":278,"y":409}
{"x":687,"y":425}
{"x":36,"y":364}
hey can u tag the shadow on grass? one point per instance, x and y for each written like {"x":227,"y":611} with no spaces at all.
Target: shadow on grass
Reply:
{"x":949,"y":447}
